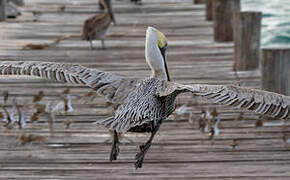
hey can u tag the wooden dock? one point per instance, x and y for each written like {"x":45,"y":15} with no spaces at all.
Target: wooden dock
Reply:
{"x":180,"y":150}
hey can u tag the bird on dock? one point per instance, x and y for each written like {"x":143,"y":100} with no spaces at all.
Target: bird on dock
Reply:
{"x":144,"y":103}
{"x":96,"y":26}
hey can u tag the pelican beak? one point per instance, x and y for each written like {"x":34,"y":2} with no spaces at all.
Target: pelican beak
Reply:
{"x":109,"y":3}
{"x":163,"y":51}
{"x":113,"y":18}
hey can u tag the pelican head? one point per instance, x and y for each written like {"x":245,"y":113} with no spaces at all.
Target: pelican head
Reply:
{"x":155,"y":48}
{"x":107,"y":5}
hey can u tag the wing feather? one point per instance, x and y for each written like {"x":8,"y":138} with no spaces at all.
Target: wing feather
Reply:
{"x":106,"y":84}
{"x":263,"y":102}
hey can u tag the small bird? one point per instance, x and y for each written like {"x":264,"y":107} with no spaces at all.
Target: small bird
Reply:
{"x":63,"y":106}
{"x":38,"y":97}
{"x":24,"y":139}
{"x":216,"y":127}
{"x":38,"y":106}
{"x":5,"y":96}
{"x":21,"y":116}
{"x":209,"y":123}
{"x":88,"y":96}
{"x":96,"y":27}
{"x":61,"y":8}
{"x":182,"y":110}
{"x":234,"y":144}
{"x":10,"y":118}
{"x":259,"y":123}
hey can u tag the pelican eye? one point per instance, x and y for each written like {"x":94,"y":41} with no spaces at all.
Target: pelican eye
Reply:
{"x":165,"y":46}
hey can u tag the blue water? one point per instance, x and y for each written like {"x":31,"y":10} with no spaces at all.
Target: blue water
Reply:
{"x":275,"y":21}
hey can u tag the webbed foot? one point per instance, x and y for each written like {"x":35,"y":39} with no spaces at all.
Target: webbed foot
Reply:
{"x":139,"y":160}
{"x":114,"y":153}
{"x":140,"y":156}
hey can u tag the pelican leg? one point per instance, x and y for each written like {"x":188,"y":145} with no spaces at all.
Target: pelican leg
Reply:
{"x":110,"y":140}
{"x":122,"y":139}
{"x":115,"y":147}
{"x":145,"y":147}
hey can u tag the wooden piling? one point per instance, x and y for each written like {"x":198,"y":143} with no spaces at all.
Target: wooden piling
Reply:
{"x":2,"y":10}
{"x":247,"y":32}
{"x":223,"y":15}
{"x":198,"y":1}
{"x":275,"y":70}
{"x":209,"y":13}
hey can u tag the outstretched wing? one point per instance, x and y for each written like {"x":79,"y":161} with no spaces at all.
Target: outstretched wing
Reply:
{"x":106,"y":84}
{"x":263,"y":102}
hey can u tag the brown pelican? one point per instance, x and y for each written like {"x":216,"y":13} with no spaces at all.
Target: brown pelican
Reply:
{"x":96,"y":26}
{"x":144,"y":104}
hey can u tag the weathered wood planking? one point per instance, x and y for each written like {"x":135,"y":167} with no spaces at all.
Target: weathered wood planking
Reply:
{"x":180,"y":150}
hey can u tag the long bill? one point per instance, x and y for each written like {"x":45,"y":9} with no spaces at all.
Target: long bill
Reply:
{"x":111,"y":12}
{"x":163,"y":50}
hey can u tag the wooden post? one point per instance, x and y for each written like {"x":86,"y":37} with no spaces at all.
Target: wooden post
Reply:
{"x":276,"y":70}
{"x":2,"y":10}
{"x":247,"y":32}
{"x":198,"y":1}
{"x":223,"y":15}
{"x":209,"y":13}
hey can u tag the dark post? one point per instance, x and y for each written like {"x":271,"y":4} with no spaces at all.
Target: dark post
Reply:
{"x":247,"y":32}
{"x":276,"y":70}
{"x":223,"y":15}
{"x":198,"y":1}
{"x":2,"y":10}
{"x":208,"y":9}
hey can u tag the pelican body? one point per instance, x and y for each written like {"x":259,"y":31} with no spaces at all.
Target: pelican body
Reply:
{"x":96,"y":26}
{"x":144,"y":104}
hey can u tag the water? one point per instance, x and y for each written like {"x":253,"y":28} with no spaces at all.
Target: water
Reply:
{"x":275,"y":21}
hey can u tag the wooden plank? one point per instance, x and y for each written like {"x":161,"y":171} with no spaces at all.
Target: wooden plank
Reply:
{"x":179,"y":150}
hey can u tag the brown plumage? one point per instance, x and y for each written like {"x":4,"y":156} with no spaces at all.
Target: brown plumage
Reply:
{"x":96,"y":26}
{"x":24,"y":139}
{"x":38,"y":97}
